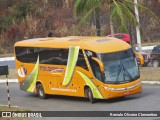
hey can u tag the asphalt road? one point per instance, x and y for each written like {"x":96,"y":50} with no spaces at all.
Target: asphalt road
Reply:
{"x":148,"y":100}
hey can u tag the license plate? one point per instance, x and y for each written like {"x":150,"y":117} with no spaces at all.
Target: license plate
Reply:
{"x":126,"y":93}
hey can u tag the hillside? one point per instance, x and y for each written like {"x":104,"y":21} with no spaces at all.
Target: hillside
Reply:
{"x":23,"y":19}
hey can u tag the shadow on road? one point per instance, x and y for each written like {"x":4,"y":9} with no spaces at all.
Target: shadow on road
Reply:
{"x":79,"y":99}
{"x":147,"y":92}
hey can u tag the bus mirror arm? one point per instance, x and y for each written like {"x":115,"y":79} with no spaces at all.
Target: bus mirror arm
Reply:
{"x":100,"y":63}
{"x":140,"y":57}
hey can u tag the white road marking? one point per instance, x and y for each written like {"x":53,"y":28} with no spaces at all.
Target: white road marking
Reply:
{"x":7,"y":59}
{"x":9,"y":80}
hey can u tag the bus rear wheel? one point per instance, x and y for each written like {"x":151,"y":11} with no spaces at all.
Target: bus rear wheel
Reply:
{"x":41,"y":92}
{"x":89,"y":95}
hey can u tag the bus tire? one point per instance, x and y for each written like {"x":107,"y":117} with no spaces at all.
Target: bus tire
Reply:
{"x":89,"y":95}
{"x":122,"y":98}
{"x":41,"y":92}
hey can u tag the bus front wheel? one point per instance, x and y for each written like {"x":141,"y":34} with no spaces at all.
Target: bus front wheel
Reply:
{"x":40,"y":91}
{"x":89,"y":95}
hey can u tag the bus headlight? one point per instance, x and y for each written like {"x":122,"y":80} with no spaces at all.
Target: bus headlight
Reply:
{"x":121,"y":89}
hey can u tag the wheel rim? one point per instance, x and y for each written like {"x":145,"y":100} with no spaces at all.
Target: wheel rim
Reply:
{"x":89,"y":95}
{"x":41,"y":92}
{"x":155,"y":63}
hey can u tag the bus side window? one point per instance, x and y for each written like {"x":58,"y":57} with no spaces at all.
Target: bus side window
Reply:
{"x":94,"y":65}
{"x":81,"y":62}
{"x":53,"y":56}
{"x":64,"y":56}
{"x":26,"y":55}
{"x":96,"y":69}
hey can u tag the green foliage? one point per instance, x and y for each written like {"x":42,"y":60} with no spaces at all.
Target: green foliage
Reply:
{"x":35,"y":18}
{"x":20,"y":9}
{"x":82,"y":6}
{"x":23,"y":9}
{"x":120,"y":12}
{"x":6,"y":22}
{"x":86,"y":8}
{"x":56,"y":3}
{"x":2,"y":1}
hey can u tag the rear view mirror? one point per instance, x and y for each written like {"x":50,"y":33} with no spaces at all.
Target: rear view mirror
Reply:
{"x":100,"y":63}
{"x":141,"y":59}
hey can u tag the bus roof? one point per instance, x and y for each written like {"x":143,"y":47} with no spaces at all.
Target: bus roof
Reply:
{"x":96,"y":44}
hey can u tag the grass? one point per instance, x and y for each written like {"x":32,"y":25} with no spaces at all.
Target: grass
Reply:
{"x":6,"y":55}
{"x":150,"y":44}
{"x":12,"y":74}
{"x":150,"y":73}
{"x":6,"y":108}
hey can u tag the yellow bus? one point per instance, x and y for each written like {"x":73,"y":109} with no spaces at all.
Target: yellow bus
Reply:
{"x":90,"y":67}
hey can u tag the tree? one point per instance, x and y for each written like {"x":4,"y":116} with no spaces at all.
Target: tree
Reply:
{"x":90,"y":7}
{"x":120,"y":12}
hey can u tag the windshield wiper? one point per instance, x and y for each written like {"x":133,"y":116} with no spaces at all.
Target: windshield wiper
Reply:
{"x":119,"y":71}
{"x":126,"y":71}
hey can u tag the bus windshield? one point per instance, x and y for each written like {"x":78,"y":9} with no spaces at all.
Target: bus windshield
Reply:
{"x":120,"y":67}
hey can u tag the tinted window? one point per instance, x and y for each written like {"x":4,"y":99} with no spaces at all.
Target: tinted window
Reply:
{"x":26,"y":55}
{"x":119,"y":36}
{"x":120,"y":67}
{"x":117,"y":55}
{"x":94,"y":65}
{"x":53,"y":56}
{"x":156,"y":49}
{"x":81,"y":61}
{"x":46,"y":55}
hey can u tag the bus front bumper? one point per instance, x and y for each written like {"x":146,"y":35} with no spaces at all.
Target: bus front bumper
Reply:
{"x":123,"y":91}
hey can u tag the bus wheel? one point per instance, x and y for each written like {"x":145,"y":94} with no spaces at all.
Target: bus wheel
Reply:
{"x":40,"y":91}
{"x":90,"y":95}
